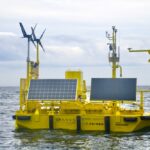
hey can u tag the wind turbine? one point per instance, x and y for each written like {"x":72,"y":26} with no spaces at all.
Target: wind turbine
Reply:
{"x":30,"y":39}
{"x":38,"y":42}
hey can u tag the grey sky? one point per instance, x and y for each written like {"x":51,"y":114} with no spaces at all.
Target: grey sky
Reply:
{"x":75,"y":37}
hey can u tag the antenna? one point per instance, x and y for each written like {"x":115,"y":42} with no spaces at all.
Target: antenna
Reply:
{"x":114,"y":56}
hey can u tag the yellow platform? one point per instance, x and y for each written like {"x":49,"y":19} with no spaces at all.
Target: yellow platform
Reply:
{"x":79,"y":114}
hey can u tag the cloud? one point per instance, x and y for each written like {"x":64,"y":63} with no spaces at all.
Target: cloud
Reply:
{"x":75,"y":33}
{"x":11,"y":34}
{"x":12,"y":47}
{"x":122,"y":12}
{"x":66,"y":50}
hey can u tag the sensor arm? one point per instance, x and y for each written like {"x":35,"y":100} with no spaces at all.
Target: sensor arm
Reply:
{"x":148,"y":51}
{"x":130,"y":50}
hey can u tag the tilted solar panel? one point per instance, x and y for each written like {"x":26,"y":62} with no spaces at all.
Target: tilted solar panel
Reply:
{"x":52,"y":89}
{"x":113,"y":89}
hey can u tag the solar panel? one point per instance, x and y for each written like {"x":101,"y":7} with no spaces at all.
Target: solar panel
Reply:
{"x":52,"y":89}
{"x":113,"y":89}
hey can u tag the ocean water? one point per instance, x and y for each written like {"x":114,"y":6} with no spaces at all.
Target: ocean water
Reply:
{"x":10,"y":139}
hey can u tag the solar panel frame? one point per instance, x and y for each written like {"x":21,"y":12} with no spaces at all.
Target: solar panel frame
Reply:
{"x":113,"y":89}
{"x":52,"y":89}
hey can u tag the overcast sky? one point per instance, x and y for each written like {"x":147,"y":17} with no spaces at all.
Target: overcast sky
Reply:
{"x":75,"y":37}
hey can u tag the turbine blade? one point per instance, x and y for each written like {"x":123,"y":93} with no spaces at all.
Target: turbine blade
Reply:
{"x":35,"y":26}
{"x":23,"y":30}
{"x":34,"y":36}
{"x":33,"y":42}
{"x":42,"y":34}
{"x":41,"y":46}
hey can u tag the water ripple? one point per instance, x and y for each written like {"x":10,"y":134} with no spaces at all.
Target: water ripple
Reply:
{"x":10,"y":139}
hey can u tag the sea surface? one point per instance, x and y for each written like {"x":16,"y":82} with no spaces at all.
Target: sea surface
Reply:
{"x":10,"y":139}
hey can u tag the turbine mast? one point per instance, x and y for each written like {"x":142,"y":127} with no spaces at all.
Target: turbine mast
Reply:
{"x":38,"y":43}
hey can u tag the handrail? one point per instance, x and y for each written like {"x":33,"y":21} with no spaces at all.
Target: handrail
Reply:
{"x":142,"y":97}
